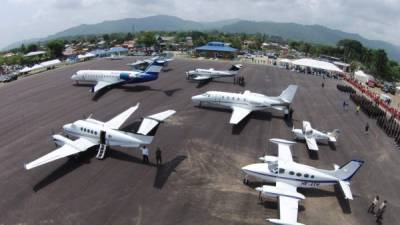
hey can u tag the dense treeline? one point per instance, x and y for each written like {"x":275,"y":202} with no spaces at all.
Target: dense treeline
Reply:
{"x":374,"y":61}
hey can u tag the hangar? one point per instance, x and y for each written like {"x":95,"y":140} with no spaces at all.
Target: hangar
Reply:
{"x":216,"y":49}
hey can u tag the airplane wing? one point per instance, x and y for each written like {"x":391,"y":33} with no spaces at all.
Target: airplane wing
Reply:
{"x":118,"y":120}
{"x":346,"y":189}
{"x":238,"y":114}
{"x":67,"y":149}
{"x":284,"y":152}
{"x":152,"y":121}
{"x":288,"y":206}
{"x":102,"y":84}
{"x":311,"y":143}
{"x":200,"y":78}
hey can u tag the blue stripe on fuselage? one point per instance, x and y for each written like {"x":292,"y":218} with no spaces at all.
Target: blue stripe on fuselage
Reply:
{"x":145,"y":77}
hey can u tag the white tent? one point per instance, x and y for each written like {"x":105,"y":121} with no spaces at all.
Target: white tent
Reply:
{"x":50,"y":63}
{"x":306,"y":62}
{"x":362,"y":77}
{"x":25,"y":69}
{"x":283,"y":60}
{"x":37,"y":67}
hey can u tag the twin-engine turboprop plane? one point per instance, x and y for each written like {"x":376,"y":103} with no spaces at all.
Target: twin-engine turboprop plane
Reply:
{"x":91,"y":132}
{"x":312,"y":135}
{"x":209,"y":74}
{"x":243,"y":104}
{"x":105,"y":78}
{"x":289,"y":175}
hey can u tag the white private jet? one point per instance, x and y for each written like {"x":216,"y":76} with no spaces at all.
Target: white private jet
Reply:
{"x":243,"y":104}
{"x":312,"y":135}
{"x":105,"y":78}
{"x":91,"y":132}
{"x":209,"y":74}
{"x":289,"y":175}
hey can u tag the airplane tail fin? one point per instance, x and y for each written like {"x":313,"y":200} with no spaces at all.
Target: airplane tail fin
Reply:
{"x":154,"y":68}
{"x":347,"y":171}
{"x":150,"y":124}
{"x":333,"y":135}
{"x":288,"y":94}
{"x":236,"y":67}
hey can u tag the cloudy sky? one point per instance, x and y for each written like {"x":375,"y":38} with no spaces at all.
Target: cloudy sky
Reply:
{"x":373,"y":19}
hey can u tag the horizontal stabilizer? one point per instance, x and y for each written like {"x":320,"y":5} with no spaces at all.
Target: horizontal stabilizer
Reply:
{"x":153,"y":121}
{"x":117,"y":121}
{"x":282,"y":222}
{"x":345,"y":186}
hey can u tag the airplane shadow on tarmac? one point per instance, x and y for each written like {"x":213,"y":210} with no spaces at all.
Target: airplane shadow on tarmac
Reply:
{"x":136,"y":88}
{"x":201,"y":84}
{"x":72,"y":163}
{"x":165,"y":170}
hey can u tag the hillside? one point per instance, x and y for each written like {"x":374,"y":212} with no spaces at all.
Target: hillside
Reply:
{"x":293,"y":31}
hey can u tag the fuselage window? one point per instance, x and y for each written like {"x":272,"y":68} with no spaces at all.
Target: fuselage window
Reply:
{"x":281,"y":170}
{"x":81,"y":129}
{"x":291,"y":173}
{"x":306,"y":175}
{"x":312,"y":176}
{"x":95,"y":133}
{"x":84,"y":129}
{"x":298,"y":174}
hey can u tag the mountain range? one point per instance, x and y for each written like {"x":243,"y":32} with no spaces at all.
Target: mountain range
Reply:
{"x":293,"y":31}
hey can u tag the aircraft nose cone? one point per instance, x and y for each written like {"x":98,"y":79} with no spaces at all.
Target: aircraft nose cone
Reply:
{"x":74,"y":77}
{"x":67,"y":126}
{"x":260,"y":189}
{"x":196,"y":98}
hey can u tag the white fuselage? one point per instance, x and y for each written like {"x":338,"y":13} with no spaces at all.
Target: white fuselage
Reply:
{"x":91,"y":129}
{"x":211,"y":73}
{"x":292,"y":173}
{"x":110,"y":76}
{"x":318,"y":135}
{"x":248,"y":100}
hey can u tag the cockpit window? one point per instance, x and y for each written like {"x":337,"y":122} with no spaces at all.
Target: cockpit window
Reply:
{"x":309,"y":132}
{"x":273,"y":167}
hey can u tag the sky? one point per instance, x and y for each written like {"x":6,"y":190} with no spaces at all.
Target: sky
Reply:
{"x":373,"y":19}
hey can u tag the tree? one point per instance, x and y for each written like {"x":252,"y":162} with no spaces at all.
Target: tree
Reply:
{"x":22,"y":48}
{"x":56,"y":48}
{"x":32,"y":48}
{"x":352,"y":49}
{"x":380,"y":63}
{"x":147,"y":38}
{"x":129,"y":36}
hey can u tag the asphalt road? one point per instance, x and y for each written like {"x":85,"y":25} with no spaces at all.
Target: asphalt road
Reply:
{"x":200,"y":181}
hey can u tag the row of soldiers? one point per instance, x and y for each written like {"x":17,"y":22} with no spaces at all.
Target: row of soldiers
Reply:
{"x":239,"y":80}
{"x":387,"y":123}
{"x":345,"y":88}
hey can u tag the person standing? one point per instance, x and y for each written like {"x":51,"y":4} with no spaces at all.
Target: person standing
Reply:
{"x":366,"y":128}
{"x":322,"y":85}
{"x":145,"y":154}
{"x":371,"y":208}
{"x":358,"y":109}
{"x":158,"y":157}
{"x":381,"y":210}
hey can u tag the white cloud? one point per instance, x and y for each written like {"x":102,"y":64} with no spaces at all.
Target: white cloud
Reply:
{"x":375,"y":19}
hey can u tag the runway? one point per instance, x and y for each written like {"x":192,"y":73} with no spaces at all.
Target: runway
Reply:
{"x":200,"y":181}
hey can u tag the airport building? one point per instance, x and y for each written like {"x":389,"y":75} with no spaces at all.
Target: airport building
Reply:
{"x":216,"y":50}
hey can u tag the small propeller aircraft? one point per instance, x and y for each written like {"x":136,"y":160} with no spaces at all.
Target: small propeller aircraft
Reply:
{"x":242,"y":104}
{"x":312,"y":136}
{"x":289,"y":175}
{"x":209,"y":74}
{"x":90,"y":132}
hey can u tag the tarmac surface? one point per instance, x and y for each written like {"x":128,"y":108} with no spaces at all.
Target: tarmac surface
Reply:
{"x":200,"y":181}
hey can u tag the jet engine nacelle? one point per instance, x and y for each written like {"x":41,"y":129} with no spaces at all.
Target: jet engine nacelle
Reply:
{"x":61,"y":140}
{"x":272,"y":191}
{"x":269,"y":158}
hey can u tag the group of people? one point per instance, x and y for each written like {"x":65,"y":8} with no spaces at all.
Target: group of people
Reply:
{"x":381,"y":209}
{"x":239,"y":80}
{"x":146,"y":153}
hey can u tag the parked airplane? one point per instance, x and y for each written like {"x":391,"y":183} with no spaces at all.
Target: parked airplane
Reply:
{"x":209,"y":74}
{"x":312,"y":135}
{"x":243,"y":104}
{"x":289,"y":175}
{"x":105,"y":78}
{"x":145,"y":62}
{"x":91,"y":132}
